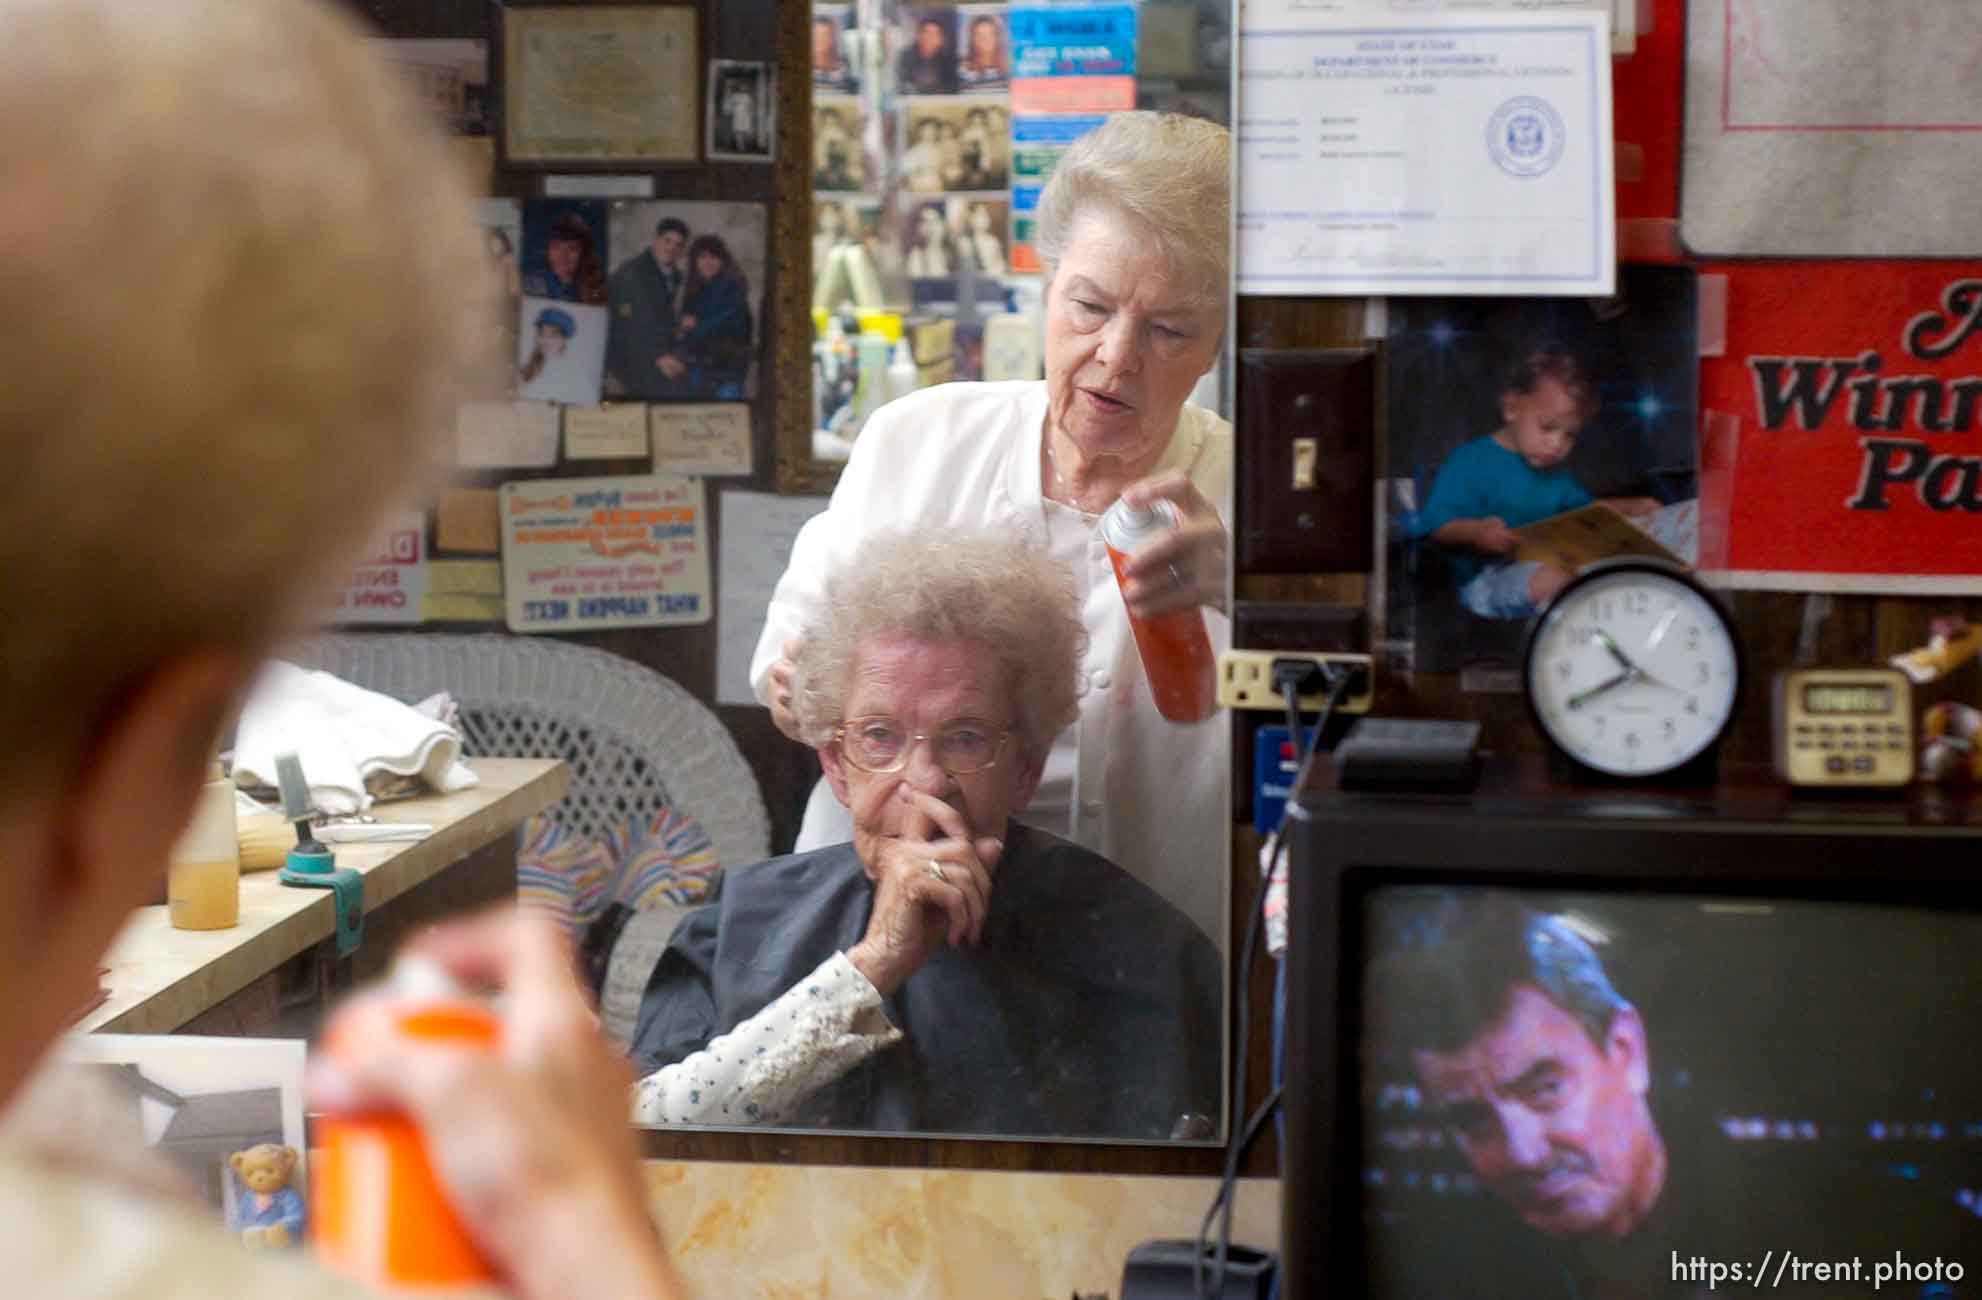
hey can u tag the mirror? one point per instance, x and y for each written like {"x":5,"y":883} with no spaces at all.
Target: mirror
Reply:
{"x":1096,"y":1014}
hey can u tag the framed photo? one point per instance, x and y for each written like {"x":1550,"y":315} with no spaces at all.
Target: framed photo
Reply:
{"x":741,"y":114}
{"x":599,"y":85}
{"x":687,"y":300}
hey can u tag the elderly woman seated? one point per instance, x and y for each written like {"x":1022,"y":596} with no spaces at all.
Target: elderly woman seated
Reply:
{"x":949,"y":969}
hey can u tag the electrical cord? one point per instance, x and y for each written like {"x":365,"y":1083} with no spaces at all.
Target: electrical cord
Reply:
{"x":1243,"y":1135}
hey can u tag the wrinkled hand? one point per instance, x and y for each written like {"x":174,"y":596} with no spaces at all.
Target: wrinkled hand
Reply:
{"x":780,"y":681}
{"x":1495,"y":537}
{"x":900,"y":832}
{"x":532,"y":1141}
{"x":1183,"y":567}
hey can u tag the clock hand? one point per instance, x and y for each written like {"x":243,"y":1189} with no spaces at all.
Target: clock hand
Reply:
{"x":1580,"y":698}
{"x":1605,"y":640}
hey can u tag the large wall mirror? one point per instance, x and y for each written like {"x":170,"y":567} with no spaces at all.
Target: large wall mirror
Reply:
{"x":1099,"y":1014}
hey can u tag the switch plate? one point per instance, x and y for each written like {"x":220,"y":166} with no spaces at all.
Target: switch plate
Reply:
{"x":1306,"y":415}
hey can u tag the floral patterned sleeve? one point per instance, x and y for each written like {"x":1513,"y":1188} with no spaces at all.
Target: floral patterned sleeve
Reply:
{"x":823,"y":1026}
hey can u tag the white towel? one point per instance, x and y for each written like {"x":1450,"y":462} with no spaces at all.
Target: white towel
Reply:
{"x":342,"y":734}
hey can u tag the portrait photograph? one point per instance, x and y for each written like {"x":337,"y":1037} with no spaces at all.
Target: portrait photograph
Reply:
{"x":1697,"y":1079}
{"x":832,"y":71}
{"x":561,"y":351}
{"x":687,"y":300}
{"x":741,"y":111}
{"x":1503,"y":413}
{"x":951,"y":143}
{"x":984,"y":49}
{"x":978,"y":224}
{"x":564,"y":250}
{"x":926,"y":62}
{"x":839,"y":220}
{"x":839,"y":160}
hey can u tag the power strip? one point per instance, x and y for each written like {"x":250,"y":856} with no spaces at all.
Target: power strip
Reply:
{"x":1245,"y":680}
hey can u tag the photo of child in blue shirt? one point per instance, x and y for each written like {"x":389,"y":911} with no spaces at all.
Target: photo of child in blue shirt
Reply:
{"x":1515,"y":476}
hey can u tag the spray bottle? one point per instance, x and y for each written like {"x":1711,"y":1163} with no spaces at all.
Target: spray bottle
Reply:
{"x":1175,"y":648}
{"x":379,"y":1214}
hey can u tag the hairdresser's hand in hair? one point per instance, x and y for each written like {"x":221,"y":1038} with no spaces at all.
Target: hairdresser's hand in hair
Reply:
{"x":1185,"y":566}
{"x":780,"y":681}
{"x":1632,"y":507}
{"x":932,"y":880}
{"x":531,"y":1142}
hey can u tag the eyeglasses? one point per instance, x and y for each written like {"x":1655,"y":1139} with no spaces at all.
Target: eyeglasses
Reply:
{"x":882,"y":745}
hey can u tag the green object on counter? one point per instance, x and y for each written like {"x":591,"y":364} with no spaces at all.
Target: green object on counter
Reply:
{"x":312,"y":866}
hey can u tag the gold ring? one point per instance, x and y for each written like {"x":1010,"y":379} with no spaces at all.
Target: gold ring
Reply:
{"x":935,"y":870}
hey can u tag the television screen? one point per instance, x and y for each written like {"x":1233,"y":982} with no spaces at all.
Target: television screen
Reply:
{"x":1625,"y":1095}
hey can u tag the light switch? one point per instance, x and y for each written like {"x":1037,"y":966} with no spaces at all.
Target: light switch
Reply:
{"x":1306,"y":460}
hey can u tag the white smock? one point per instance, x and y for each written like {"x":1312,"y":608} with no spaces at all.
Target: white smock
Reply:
{"x":1146,"y":793}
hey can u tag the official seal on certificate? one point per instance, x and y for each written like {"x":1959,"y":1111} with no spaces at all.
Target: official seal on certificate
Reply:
{"x":1525,"y":136}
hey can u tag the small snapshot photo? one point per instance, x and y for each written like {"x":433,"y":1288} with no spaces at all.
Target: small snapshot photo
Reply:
{"x":500,"y":223}
{"x":561,"y":351}
{"x":850,"y":221}
{"x":927,"y":62}
{"x":449,"y":76}
{"x":741,"y":112}
{"x":941,"y":236}
{"x":1529,"y":437}
{"x":952,"y":143}
{"x":839,"y":157}
{"x":219,"y":1117}
{"x":564,"y":250}
{"x":687,"y":297}
{"x":832,"y":67}
{"x":984,"y":48}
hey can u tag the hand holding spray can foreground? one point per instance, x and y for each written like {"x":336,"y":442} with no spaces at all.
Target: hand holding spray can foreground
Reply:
{"x":1175,"y":648}
{"x":379,"y":1213}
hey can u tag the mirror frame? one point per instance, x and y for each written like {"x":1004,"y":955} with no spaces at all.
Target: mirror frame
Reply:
{"x":798,"y":472}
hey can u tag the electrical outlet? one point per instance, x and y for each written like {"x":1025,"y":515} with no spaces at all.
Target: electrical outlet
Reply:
{"x":1245,"y":680}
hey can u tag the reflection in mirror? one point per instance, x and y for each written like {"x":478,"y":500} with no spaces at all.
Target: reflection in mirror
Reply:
{"x":1004,"y":915}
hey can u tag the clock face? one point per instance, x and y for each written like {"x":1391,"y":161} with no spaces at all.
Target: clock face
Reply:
{"x":1633,"y":672}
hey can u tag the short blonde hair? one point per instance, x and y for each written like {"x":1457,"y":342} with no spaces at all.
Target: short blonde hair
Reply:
{"x":1165,"y":171}
{"x":948,"y":585}
{"x":236,"y":261}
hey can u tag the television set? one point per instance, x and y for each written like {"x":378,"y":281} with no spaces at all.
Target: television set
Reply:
{"x":1546,"y":1043}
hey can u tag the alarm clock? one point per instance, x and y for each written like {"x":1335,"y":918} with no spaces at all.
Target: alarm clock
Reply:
{"x":1844,"y":727}
{"x":1633,"y":673}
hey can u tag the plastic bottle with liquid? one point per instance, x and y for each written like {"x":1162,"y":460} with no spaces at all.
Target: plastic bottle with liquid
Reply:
{"x":203,"y":882}
{"x":904,"y":377}
{"x":1175,"y":648}
{"x":378,"y":1214}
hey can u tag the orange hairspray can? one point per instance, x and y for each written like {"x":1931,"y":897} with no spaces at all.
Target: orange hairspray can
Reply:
{"x":378,"y":1214}
{"x":1175,"y":648}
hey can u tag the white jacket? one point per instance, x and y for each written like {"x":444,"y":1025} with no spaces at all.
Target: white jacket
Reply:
{"x":1149,"y":794}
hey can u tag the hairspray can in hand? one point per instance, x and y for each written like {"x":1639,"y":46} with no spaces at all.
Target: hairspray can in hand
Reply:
{"x":378,"y":1212}
{"x":1175,"y":649}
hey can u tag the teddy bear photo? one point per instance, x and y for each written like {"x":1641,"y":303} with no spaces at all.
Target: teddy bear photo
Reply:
{"x":268,"y":1212}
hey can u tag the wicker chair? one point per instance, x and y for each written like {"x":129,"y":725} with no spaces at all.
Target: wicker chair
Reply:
{"x":636,"y":742}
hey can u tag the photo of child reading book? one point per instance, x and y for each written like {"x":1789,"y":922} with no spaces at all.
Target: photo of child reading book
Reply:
{"x":1515,"y":476}
{"x":1526,"y":439}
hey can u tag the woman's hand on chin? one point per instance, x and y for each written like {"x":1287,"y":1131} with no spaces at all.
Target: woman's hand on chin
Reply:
{"x":1185,"y":566}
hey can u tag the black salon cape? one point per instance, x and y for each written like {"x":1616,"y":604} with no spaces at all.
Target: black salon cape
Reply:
{"x":1090,"y":1009}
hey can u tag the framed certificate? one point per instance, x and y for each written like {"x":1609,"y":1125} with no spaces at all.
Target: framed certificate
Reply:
{"x":599,"y":85}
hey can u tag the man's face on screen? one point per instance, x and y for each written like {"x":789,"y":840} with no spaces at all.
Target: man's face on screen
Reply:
{"x":1554,"y":1124}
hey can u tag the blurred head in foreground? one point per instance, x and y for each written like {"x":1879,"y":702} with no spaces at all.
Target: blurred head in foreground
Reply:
{"x":222,"y":378}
